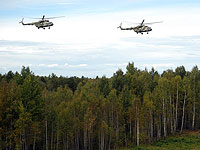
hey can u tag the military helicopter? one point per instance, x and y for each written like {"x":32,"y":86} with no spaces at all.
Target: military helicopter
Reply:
{"x":141,"y":28}
{"x":43,"y":23}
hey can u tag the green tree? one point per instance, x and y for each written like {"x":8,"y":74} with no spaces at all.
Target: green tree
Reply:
{"x":130,"y":68}
{"x":117,"y":81}
{"x":8,"y":113}
{"x":104,"y":86}
{"x":194,"y":77}
{"x":30,"y":106}
{"x":180,"y":71}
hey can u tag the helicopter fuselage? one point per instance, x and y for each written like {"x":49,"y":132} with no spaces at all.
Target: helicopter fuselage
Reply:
{"x":138,"y":29}
{"x":43,"y":24}
{"x":141,"y":29}
{"x":39,"y":24}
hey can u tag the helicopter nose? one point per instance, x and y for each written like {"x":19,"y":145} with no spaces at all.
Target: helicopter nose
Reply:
{"x":150,"y":29}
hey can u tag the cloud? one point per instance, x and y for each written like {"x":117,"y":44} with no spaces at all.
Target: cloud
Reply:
{"x":41,"y":65}
{"x":61,"y":66}
{"x":157,"y":66}
{"x":82,"y":65}
{"x":75,"y":66}
{"x":70,"y":59}
{"x":117,"y":65}
{"x":52,"y":65}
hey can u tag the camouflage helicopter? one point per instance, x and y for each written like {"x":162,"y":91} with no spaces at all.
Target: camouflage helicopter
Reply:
{"x":43,"y":23}
{"x":141,"y":28}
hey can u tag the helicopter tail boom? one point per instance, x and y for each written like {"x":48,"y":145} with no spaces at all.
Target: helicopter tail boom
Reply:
{"x":131,"y":28}
{"x":22,"y":22}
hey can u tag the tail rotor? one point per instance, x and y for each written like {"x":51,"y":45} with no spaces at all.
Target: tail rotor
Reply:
{"x":22,"y":22}
{"x":120,"y":25}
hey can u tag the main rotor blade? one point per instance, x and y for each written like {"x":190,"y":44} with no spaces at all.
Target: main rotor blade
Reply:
{"x":153,"y":22}
{"x":55,"y":17}
{"x":149,"y":23}
{"x":48,"y":17}
{"x":131,"y":22}
{"x":34,"y":18}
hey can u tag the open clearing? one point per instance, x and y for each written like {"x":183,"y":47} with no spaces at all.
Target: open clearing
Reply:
{"x":188,"y":140}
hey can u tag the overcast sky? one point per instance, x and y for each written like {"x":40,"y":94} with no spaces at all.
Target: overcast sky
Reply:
{"x":86,"y":42}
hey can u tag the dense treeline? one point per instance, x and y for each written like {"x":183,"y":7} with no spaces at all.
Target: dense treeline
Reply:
{"x":61,"y":113}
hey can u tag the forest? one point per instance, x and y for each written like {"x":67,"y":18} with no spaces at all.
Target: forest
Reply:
{"x":72,"y":113}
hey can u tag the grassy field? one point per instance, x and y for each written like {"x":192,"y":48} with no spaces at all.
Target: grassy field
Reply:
{"x":188,"y":140}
